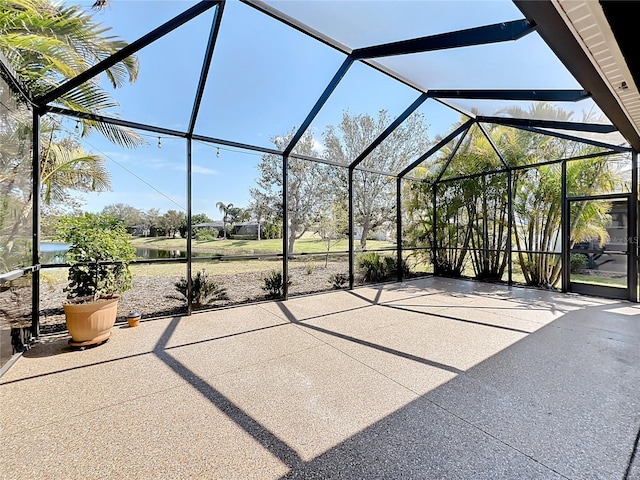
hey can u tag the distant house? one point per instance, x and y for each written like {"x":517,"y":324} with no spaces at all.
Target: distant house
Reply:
{"x":249,"y":229}
{"x":139,"y":230}
{"x":252,"y":229}
{"x":217,"y":224}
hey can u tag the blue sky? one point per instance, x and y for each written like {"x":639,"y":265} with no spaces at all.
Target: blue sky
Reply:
{"x":265,"y":78}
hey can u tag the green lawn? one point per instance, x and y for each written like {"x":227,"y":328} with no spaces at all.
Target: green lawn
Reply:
{"x":249,"y":247}
{"x":598,"y":280}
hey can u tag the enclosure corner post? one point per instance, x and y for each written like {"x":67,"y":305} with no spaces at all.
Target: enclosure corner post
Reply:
{"x":434,"y":250}
{"x":399,"y":261}
{"x":633,"y":233}
{"x":351,"y":252}
{"x":189,"y":226}
{"x":285,"y":227}
{"x":565,"y":249}
{"x":509,"y":226}
{"x":35,"y":247}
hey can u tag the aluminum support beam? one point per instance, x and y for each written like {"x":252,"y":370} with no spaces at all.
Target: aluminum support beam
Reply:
{"x":499,"y":32}
{"x":465,"y":126}
{"x":434,"y":227}
{"x":558,"y":125}
{"x":399,"y":262}
{"x":351,"y":229}
{"x":522,"y":95}
{"x":565,"y":230}
{"x":453,"y":154}
{"x":115,"y":121}
{"x":189,"y":229}
{"x":206,"y":64}
{"x":342,"y":71}
{"x":494,"y":146}
{"x":285,"y":227}
{"x":390,"y":129}
{"x":587,"y":141}
{"x":509,"y":226}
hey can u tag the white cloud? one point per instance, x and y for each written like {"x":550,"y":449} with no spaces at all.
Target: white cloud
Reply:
{"x":203,"y":170}
{"x":318,"y":146}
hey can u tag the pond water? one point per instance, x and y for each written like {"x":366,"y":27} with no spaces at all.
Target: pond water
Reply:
{"x":54,"y":252}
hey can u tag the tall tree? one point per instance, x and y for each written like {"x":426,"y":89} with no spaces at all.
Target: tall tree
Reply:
{"x":151,"y":220}
{"x":129,"y":216}
{"x":305,"y":186}
{"x":537,"y":204}
{"x":332,"y":224}
{"x":374,"y":194}
{"x":239,"y":214}
{"x":170,"y":222}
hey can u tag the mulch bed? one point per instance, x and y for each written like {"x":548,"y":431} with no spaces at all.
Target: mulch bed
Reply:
{"x":157,"y":296}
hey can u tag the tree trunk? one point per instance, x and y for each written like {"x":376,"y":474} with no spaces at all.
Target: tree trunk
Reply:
{"x":293,"y":226}
{"x":366,"y":226}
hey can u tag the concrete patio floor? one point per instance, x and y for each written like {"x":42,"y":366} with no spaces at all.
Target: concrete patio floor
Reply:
{"x":428,"y":379}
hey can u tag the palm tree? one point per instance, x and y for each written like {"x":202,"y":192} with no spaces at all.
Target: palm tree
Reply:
{"x":49,"y":43}
{"x":537,"y":200}
{"x":472,"y":213}
{"x":225,"y":210}
{"x":64,"y":166}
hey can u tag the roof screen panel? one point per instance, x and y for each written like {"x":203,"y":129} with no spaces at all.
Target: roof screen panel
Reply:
{"x":431,"y":167}
{"x":129,"y":20}
{"x":583,"y":111}
{"x":614,"y":138}
{"x":474,"y":155}
{"x":414,"y":136}
{"x":359,"y":24}
{"x":527,"y":63}
{"x":364,"y":96}
{"x":262,"y":88}
{"x":164,"y":92}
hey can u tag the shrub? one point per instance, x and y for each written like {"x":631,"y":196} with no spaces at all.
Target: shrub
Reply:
{"x":271,"y":231}
{"x":339,"y":280}
{"x":372,"y":266}
{"x":274,"y":284}
{"x":445,"y":267}
{"x":406,"y":270}
{"x":206,"y":234}
{"x":578,"y":262}
{"x":203,"y":289}
{"x":375,"y":268}
{"x":309,"y":267}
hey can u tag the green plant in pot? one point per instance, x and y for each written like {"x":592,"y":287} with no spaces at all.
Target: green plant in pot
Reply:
{"x":99,"y":257}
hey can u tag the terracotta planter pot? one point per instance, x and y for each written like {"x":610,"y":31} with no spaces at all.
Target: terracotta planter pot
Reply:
{"x":91,"y":323}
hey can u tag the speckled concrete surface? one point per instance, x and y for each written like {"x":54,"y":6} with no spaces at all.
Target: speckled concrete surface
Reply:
{"x":429,"y":379}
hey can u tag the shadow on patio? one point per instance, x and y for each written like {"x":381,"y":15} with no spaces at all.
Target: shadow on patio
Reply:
{"x":398,"y":381}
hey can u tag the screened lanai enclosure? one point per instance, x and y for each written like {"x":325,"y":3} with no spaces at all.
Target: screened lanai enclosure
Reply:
{"x":310,"y":146}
